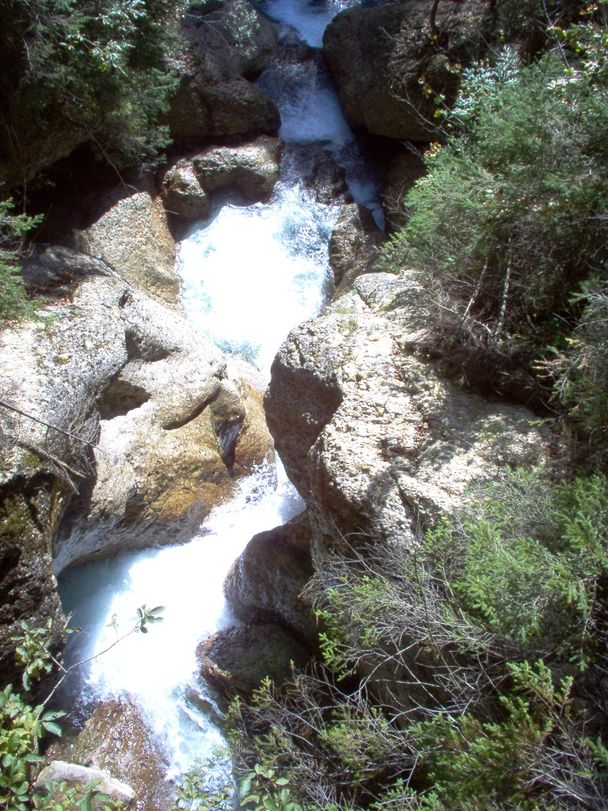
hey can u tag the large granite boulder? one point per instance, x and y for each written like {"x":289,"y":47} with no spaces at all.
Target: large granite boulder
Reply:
{"x":132,"y":237}
{"x":47,"y":424}
{"x":251,"y":169}
{"x":400,"y":66}
{"x":182,"y":194}
{"x":375,"y":437}
{"x":226,"y":44}
{"x":116,"y":738}
{"x":174,"y":433}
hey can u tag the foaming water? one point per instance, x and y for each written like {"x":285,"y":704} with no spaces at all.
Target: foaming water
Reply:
{"x":159,"y":669}
{"x":309,"y":18}
{"x":309,"y":106}
{"x":253,"y":272}
{"x":311,"y":113}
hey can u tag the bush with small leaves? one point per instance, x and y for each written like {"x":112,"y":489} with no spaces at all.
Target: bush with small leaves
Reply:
{"x":14,"y":301}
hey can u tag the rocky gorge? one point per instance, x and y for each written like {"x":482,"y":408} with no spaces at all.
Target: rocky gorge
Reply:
{"x":123,"y":427}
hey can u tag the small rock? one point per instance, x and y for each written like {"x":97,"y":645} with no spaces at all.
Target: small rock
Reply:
{"x":59,"y":771}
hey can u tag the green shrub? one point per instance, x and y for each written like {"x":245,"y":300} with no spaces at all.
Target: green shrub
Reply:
{"x":580,"y":370}
{"x":510,"y":215}
{"x":14,"y":301}
{"x":532,"y":578}
{"x":464,"y":670}
{"x":95,"y":70}
{"x":513,"y":762}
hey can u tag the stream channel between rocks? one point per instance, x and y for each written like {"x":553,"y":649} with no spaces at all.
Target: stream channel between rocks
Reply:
{"x":249,"y":274}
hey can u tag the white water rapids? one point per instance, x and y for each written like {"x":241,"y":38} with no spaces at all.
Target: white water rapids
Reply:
{"x":249,"y":274}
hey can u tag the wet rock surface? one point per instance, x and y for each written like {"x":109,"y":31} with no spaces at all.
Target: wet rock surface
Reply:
{"x":116,"y":738}
{"x":129,"y":417}
{"x":267,"y":580}
{"x":175,"y":431}
{"x":251,"y":170}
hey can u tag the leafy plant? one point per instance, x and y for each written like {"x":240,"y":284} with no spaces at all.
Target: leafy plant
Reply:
{"x":148,"y":616}
{"x":95,"y":71}
{"x":63,"y":797}
{"x":14,"y":301}
{"x":265,"y":790}
{"x":23,"y":726}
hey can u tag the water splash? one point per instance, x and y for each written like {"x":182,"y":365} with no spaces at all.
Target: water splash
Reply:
{"x":159,"y":669}
{"x":253,"y":272}
{"x":309,"y":18}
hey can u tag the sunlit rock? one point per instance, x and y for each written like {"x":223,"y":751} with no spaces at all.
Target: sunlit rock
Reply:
{"x":59,"y":771}
{"x":146,"y":424}
{"x":251,"y":170}
{"x":133,"y":238}
{"x":117,"y":739}
{"x":375,"y":437}
{"x":183,"y":194}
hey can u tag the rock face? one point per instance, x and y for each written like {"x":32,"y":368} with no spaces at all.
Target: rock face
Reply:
{"x":403,"y":172}
{"x":128,"y":405}
{"x":183,"y":194}
{"x":250,"y":169}
{"x":141,"y":764}
{"x":226,"y":45}
{"x":374,"y":437}
{"x":174,"y":429}
{"x":133,"y":238}
{"x":267,"y":580}
{"x":353,"y":247}
{"x":396,"y":59}
{"x":235,"y":661}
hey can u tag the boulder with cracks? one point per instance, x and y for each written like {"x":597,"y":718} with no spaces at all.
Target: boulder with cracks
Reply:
{"x":375,"y":437}
{"x":251,"y":170}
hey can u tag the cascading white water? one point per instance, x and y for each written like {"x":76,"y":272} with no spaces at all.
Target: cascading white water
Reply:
{"x":253,"y":272}
{"x":159,"y":668}
{"x":309,"y":19}
{"x":249,"y":274}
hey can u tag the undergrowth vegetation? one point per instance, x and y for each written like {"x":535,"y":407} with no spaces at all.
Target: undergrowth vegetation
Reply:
{"x":480,"y":660}
{"x":509,"y":229}
{"x":15,"y":303}
{"x":85,"y":71}
{"x":26,"y":725}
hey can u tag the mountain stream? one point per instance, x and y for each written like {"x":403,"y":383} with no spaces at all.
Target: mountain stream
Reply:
{"x":249,"y":274}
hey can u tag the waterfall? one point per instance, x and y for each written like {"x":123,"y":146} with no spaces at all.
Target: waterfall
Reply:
{"x":249,"y":274}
